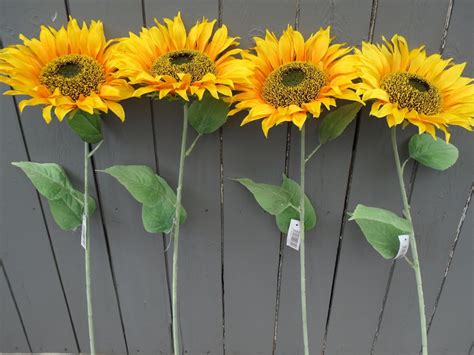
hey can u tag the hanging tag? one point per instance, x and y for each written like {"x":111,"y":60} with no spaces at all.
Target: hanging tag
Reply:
{"x":293,"y":237}
{"x":83,"y":231}
{"x":404,"y":244}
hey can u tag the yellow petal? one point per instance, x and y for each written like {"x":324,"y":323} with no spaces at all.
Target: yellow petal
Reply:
{"x":62,"y":111}
{"x":31,"y":102}
{"x":62,"y":43}
{"x":143,"y":90}
{"x":376,"y":94}
{"x":299,"y":119}
{"x":183,"y":94}
{"x":117,"y":109}
{"x":381,"y":110}
{"x":47,"y":113}
{"x":163,"y":93}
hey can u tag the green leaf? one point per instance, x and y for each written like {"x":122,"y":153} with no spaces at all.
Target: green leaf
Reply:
{"x":337,"y":121}
{"x":49,"y":179}
{"x":140,"y":181}
{"x":207,"y":115}
{"x":435,"y":154}
{"x":159,"y":218}
{"x":273,"y":199}
{"x":67,"y":211}
{"x":381,"y":228}
{"x":157,"y":197}
{"x":170,"y":197}
{"x":284,"y":218}
{"x":66,"y":203}
{"x":87,"y":126}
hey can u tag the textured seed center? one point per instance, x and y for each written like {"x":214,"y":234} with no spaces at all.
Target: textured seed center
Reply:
{"x":73,"y":74}
{"x":191,"y":62}
{"x":293,"y":84}
{"x":413,"y":92}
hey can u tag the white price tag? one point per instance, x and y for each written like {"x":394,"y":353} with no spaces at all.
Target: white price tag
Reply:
{"x":83,"y":231}
{"x":404,"y":244}
{"x":293,"y":239}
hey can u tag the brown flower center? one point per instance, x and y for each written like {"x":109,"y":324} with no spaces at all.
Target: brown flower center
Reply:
{"x":73,"y":74}
{"x":293,"y":84}
{"x":413,"y":92}
{"x":185,"y":61}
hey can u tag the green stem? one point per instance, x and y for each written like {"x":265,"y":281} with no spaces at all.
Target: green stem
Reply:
{"x":191,"y":147}
{"x":312,"y":153}
{"x":174,"y":290}
{"x":414,"y":251}
{"x":95,"y":149}
{"x":404,"y":165}
{"x":409,"y":261}
{"x":297,"y":209}
{"x":87,"y":261}
{"x":302,"y":256}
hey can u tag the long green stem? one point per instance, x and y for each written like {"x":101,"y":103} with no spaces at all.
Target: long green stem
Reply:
{"x":414,"y":251}
{"x":87,"y":257}
{"x":174,"y":290}
{"x":302,"y":257}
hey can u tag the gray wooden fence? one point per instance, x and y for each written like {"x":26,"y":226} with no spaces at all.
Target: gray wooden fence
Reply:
{"x":239,"y":291}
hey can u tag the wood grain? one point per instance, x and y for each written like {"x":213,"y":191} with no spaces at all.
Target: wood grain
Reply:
{"x":45,"y":301}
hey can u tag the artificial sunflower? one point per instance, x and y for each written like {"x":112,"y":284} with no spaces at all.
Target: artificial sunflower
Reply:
{"x":408,"y":86}
{"x":65,"y":69}
{"x":166,"y":60}
{"x":293,"y":78}
{"x":68,"y":70}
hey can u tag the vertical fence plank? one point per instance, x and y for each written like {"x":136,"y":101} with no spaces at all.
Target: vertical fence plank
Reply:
{"x":456,"y":299}
{"x":138,"y":257}
{"x":56,"y":143}
{"x":452,"y":329}
{"x":363,"y":273}
{"x":252,"y":240}
{"x":421,"y":22}
{"x":326,"y":176}
{"x":13,"y":338}
{"x":24,"y":245}
{"x":199,"y":254}
{"x":437,"y":203}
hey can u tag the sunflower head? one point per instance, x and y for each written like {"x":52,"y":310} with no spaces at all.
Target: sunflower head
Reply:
{"x":292,"y":78}
{"x":65,"y":69}
{"x":166,"y":60}
{"x":407,"y":86}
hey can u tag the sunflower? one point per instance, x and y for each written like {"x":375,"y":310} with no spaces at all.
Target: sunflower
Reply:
{"x":408,"y":86}
{"x":166,"y":60}
{"x":65,"y":69}
{"x":293,"y":78}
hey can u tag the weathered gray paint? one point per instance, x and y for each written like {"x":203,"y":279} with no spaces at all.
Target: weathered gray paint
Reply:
{"x":131,"y":293}
{"x":56,"y":143}
{"x":12,"y":335}
{"x":35,"y":283}
{"x":455,"y":307}
{"x":459,"y":44}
